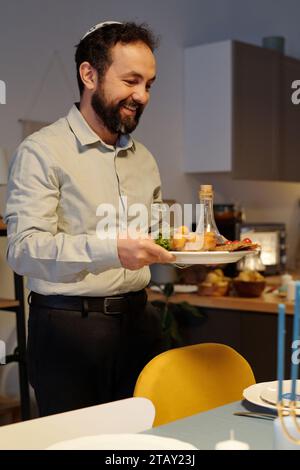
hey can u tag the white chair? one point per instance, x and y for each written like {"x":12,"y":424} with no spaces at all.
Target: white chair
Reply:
{"x":131,"y":415}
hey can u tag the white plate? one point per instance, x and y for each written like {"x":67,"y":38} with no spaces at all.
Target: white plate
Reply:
{"x":178,"y":288}
{"x":209,"y":257}
{"x":253,"y":394}
{"x":122,"y":442}
{"x":269,"y":394}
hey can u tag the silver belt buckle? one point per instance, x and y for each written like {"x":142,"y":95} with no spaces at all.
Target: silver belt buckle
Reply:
{"x":106,"y":300}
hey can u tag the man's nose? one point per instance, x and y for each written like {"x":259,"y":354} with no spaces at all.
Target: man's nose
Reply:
{"x":141,"y":95}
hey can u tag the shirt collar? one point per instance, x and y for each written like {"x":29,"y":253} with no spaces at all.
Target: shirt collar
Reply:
{"x":86,"y":135}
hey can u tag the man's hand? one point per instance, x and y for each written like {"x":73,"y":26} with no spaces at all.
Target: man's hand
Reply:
{"x":136,"y":253}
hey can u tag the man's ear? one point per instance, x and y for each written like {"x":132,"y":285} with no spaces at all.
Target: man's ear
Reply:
{"x":88,"y":76}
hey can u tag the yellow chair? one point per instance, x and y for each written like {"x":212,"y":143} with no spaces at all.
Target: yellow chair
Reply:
{"x":188,"y":380}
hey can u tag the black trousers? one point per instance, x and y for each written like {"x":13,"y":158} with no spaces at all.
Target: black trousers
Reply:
{"x":78,"y":360}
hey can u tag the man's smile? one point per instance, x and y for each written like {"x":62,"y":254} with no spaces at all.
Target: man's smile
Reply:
{"x":130,"y":109}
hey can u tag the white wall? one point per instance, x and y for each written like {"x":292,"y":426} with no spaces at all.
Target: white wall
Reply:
{"x":29,"y":33}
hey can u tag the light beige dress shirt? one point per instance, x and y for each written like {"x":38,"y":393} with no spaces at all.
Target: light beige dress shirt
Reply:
{"x":57,"y":179}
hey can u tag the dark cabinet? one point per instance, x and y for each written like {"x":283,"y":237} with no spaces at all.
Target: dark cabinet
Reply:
{"x":290,"y":123}
{"x":252,"y":334}
{"x":256,"y":112}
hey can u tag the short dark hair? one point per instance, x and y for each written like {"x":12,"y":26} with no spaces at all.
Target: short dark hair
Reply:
{"x":95,"y":47}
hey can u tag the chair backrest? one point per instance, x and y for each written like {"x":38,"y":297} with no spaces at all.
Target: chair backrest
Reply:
{"x":188,"y":380}
{"x":131,"y":415}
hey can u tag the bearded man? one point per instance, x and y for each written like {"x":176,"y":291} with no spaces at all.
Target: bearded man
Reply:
{"x":90,"y":328}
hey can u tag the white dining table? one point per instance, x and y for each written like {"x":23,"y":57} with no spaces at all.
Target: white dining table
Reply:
{"x":203,"y":430}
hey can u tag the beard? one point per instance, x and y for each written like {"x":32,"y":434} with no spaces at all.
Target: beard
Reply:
{"x":111,"y":116}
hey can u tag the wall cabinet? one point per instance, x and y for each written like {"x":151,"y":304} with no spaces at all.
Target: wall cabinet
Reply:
{"x":290,"y":123}
{"x":238,"y":113}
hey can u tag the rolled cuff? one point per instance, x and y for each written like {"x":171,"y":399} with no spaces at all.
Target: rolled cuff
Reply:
{"x":104,"y":254}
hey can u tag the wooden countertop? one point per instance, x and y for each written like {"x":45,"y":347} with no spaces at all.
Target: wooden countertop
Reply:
{"x":266,"y":303}
{"x":2,"y":224}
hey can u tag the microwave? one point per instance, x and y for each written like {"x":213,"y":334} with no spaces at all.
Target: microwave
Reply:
{"x":272,"y":239}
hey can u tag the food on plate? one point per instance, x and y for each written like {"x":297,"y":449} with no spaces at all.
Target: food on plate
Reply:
{"x":194,"y":242}
{"x":215,"y":284}
{"x":183,"y":240}
{"x":163,"y":242}
{"x":237,"y":245}
{"x":210,"y":241}
{"x":178,"y":241}
{"x":183,"y":229}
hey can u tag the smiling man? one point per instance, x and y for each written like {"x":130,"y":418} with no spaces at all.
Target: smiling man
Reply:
{"x":90,"y":328}
{"x":113,"y":99}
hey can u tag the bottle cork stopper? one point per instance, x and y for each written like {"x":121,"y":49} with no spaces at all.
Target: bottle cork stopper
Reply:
{"x":206,"y":190}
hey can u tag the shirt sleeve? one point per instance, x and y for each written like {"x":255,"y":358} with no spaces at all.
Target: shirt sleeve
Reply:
{"x":35,"y":246}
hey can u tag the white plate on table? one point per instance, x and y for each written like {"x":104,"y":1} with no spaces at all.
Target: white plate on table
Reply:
{"x":209,"y":257}
{"x":256,"y":393}
{"x":122,"y":442}
{"x":269,"y":394}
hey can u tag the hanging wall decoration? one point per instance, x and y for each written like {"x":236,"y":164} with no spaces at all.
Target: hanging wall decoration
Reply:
{"x":28,"y":125}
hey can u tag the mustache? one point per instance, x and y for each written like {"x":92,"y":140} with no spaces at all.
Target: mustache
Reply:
{"x":139,"y":107}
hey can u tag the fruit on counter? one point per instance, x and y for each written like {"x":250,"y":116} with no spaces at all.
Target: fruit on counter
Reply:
{"x":249,"y":284}
{"x":216,"y":276}
{"x":215,"y":284}
{"x":250,"y":276}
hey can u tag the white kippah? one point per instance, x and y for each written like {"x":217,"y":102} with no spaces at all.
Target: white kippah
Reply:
{"x":98,"y":26}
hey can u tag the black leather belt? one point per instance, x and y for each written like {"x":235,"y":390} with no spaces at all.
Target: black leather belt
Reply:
{"x":111,"y":305}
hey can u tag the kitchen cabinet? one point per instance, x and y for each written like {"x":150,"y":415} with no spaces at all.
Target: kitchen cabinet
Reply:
{"x":17,"y":307}
{"x":238,"y":114}
{"x":290,"y":129}
{"x":255,"y":112}
{"x":252,"y":334}
{"x":249,"y":325}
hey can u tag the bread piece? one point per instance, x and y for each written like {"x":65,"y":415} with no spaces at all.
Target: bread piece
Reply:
{"x":236,"y":246}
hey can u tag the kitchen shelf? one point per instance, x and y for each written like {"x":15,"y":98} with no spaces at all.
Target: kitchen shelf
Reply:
{"x":17,"y":306}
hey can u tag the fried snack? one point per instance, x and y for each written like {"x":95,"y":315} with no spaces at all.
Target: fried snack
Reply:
{"x":194,"y":242}
{"x":178,"y":243}
{"x":236,"y":246}
{"x":183,"y":240}
{"x":210,"y":241}
{"x":183,"y":229}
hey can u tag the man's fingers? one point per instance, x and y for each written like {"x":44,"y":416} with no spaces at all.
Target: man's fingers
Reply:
{"x":157,"y":253}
